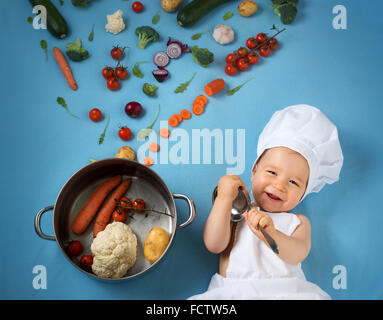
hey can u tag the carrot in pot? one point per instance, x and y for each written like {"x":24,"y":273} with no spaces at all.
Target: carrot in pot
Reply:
{"x":65,"y":68}
{"x":164,"y":132}
{"x":89,"y":209}
{"x":106,"y":211}
{"x":185,"y":114}
{"x":214,"y":87}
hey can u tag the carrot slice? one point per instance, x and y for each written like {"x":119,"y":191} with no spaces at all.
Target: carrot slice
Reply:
{"x":178,"y":117}
{"x":198,"y":103}
{"x":204,"y":99}
{"x":173,"y":122}
{"x":185,"y":114}
{"x":154,"y":147}
{"x":148,"y":161}
{"x":164,"y":132}
{"x":197,"y":109}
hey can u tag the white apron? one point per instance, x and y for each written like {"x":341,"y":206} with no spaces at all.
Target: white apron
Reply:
{"x":256,"y":272}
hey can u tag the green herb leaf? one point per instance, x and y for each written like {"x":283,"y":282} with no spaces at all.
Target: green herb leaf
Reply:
{"x":44,"y":46}
{"x":183,"y":86}
{"x":198,"y":35}
{"x":136,"y":71}
{"x":101,"y":140}
{"x":143,"y":133}
{"x":232,"y":91}
{"x":61,"y":2}
{"x":227,"y":15}
{"x":61,"y":101}
{"x":30,"y":20}
{"x":91,"y":34}
{"x":156,"y":18}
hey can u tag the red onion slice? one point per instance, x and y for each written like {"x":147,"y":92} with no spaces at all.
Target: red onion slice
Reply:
{"x":161,"y":59}
{"x":174,"y":50}
{"x":160,"y":74}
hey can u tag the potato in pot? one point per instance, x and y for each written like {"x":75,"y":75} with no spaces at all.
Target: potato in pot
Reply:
{"x":155,"y":244}
{"x":171,"y":5}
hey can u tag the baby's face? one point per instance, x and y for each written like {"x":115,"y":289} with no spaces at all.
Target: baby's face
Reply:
{"x":279,"y":179}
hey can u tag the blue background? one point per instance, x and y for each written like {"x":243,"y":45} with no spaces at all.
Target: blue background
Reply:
{"x":338,"y":71}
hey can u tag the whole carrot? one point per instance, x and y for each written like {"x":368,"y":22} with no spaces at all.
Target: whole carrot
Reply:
{"x":65,"y":68}
{"x":89,"y":209}
{"x":214,"y":87}
{"x":106,"y":211}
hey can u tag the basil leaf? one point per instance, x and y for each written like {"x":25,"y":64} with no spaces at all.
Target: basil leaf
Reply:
{"x":227,"y":15}
{"x":156,"y":18}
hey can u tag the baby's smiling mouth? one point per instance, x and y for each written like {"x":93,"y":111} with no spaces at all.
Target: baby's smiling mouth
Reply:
{"x":273,"y":197}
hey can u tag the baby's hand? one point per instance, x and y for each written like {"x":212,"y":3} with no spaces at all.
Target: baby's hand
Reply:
{"x":255,"y":218}
{"x":228,"y":187}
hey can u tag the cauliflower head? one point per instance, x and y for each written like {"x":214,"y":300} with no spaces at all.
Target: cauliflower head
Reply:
{"x":115,"y":22}
{"x":115,"y":251}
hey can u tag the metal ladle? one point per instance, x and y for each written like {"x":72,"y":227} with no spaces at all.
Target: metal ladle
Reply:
{"x":240,"y":206}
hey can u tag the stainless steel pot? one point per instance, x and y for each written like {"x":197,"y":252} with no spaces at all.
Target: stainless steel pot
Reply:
{"x":146,"y":184}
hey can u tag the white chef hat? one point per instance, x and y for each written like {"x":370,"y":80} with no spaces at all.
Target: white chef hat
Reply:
{"x":306,"y":130}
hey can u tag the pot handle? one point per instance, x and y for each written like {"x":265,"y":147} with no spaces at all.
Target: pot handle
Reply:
{"x":38,"y":230}
{"x":191,"y":209}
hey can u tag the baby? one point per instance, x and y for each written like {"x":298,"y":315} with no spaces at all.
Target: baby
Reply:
{"x":298,"y":153}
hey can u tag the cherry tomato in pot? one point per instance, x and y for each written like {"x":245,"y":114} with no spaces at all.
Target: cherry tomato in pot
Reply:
{"x":95,"y":114}
{"x":242,"y":64}
{"x":112,"y":84}
{"x":252,"y":57}
{"x":75,"y":248}
{"x":124,"y":133}
{"x":138,"y":204}
{"x":231,"y":58}
{"x":87,"y":259}
{"x":251,"y":43}
{"x":116,"y":53}
{"x":125,"y":203}
{"x":137,"y":6}
{"x":242,"y":52}
{"x":108,"y":72}
{"x":264,"y":51}
{"x":230,"y":69}
{"x":119,"y":215}
{"x":261,"y":37}
{"x":121,"y":73}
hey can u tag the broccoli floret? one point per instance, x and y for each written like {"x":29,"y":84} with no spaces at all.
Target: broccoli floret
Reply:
{"x":145,"y":35}
{"x":202,"y":56}
{"x":286,"y":9}
{"x":76,"y":52}
{"x":149,"y":89}
{"x":80,"y":3}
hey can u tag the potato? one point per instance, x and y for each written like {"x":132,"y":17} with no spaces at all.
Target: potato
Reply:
{"x":155,"y":244}
{"x":125,"y":152}
{"x":171,"y":5}
{"x":247,"y":8}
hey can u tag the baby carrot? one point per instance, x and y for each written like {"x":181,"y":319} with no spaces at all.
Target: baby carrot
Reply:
{"x":164,"y":132}
{"x":65,"y":68}
{"x":197,"y":109}
{"x":185,"y":114}
{"x":214,"y":87}
{"x":154,"y":147}
{"x":148,"y":161}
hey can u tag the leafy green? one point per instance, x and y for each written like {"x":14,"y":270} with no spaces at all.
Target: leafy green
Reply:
{"x":143,"y":133}
{"x":61,"y":101}
{"x":227,"y":15}
{"x":202,"y":56}
{"x":76,"y":52}
{"x":286,"y":9}
{"x":232,"y":91}
{"x":101,"y":140}
{"x":156,"y":18}
{"x":80,"y":3}
{"x":91,"y":34}
{"x":183,"y":86}
{"x":149,"y":89}
{"x":198,"y":35}
{"x":136,"y":71}
{"x":44,"y":46}
{"x":61,"y":2}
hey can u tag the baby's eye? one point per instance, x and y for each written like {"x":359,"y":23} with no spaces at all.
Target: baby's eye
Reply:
{"x":271,"y":172}
{"x":295,"y":183}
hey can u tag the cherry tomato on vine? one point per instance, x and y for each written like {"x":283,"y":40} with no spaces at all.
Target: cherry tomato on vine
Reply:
{"x":231,"y":57}
{"x":108,"y":72}
{"x":242,"y":64}
{"x":252,"y":57}
{"x":264,"y":51}
{"x":119,"y":215}
{"x":112,"y":83}
{"x":124,"y":133}
{"x":261,"y":37}
{"x":121,"y":73}
{"x":116,"y":53}
{"x":125,"y":203}
{"x":242,"y":52}
{"x":87,"y":259}
{"x":230,"y":69}
{"x":95,"y":114}
{"x":273,"y":43}
{"x":251,"y":43}
{"x":75,"y":248}
{"x":138,"y":204}
{"x":137,"y":6}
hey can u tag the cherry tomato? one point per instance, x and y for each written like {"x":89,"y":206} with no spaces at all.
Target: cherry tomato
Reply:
{"x":137,"y":6}
{"x":121,"y":72}
{"x":261,"y":37}
{"x":124,"y":133}
{"x":87,"y":259}
{"x":116,"y":53}
{"x":75,"y":248}
{"x":242,"y":64}
{"x":273,"y":43}
{"x":108,"y":72}
{"x":264,"y":51}
{"x":251,"y":43}
{"x":119,"y":215}
{"x":242,"y":52}
{"x":231,"y":57}
{"x":125,"y":203}
{"x":95,"y":114}
{"x":138,"y":204}
{"x":230,"y":69}
{"x":112,"y":83}
{"x":252,"y":57}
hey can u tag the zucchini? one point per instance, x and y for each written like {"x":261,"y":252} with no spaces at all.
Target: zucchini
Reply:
{"x":56,"y":24}
{"x":195,"y":10}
